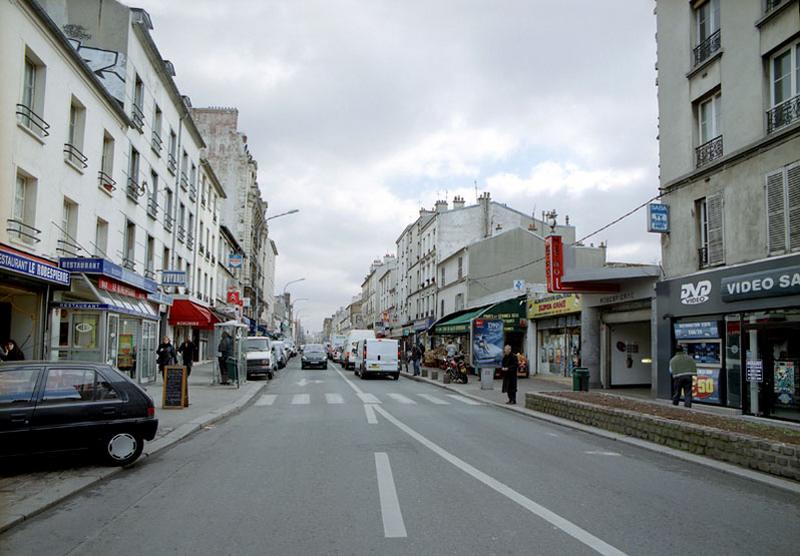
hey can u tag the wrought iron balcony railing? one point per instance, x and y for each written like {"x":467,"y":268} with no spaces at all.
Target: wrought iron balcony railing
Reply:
{"x":181,"y":233}
{"x":152,"y":207}
{"x":203,"y":201}
{"x":134,"y":190}
{"x":22,"y":231}
{"x":709,"y":151}
{"x":156,"y":143}
{"x":192,"y":192}
{"x":137,"y":116}
{"x":189,"y":241}
{"x":702,"y":257}
{"x":172,"y":164}
{"x":129,"y":263}
{"x":33,"y":121}
{"x":74,"y":155}
{"x":149,"y":272}
{"x":786,"y":113}
{"x":106,"y":182}
{"x":705,"y":49}
{"x":68,"y":248}
{"x":184,"y":181}
{"x":168,"y":221}
{"x":771,"y":5}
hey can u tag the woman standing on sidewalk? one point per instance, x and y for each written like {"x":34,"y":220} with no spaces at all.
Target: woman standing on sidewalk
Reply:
{"x":510,"y":366}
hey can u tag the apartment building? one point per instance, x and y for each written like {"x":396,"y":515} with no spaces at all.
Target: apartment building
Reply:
{"x":729,"y":138}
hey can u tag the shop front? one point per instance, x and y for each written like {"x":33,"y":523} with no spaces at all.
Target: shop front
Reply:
{"x":26,"y":282}
{"x":742,"y":326}
{"x":420,"y":329}
{"x":106,"y":319}
{"x":558,"y":332}
{"x":455,"y":329}
{"x":195,"y":321}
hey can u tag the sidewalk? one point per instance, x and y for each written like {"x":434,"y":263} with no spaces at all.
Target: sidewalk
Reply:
{"x":29,"y":486}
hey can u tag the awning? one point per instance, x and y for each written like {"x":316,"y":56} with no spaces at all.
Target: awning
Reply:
{"x":185,"y":312}
{"x":511,"y":312}
{"x":459,"y":323}
{"x":114,"y":303}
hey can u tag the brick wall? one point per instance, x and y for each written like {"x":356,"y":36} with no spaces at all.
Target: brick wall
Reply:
{"x":774,"y":458}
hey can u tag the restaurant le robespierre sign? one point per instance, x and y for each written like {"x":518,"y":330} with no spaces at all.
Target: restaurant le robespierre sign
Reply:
{"x":769,"y":283}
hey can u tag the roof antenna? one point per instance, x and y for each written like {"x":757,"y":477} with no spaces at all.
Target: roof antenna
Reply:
{"x":476,"y":189}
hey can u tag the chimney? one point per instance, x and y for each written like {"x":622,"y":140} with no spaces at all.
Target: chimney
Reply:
{"x":458,"y":202}
{"x":441,"y":206}
{"x":485,"y":203}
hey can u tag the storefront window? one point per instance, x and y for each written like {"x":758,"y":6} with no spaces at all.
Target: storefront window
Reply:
{"x":85,"y":331}
{"x":733,"y":360}
{"x":126,"y":345}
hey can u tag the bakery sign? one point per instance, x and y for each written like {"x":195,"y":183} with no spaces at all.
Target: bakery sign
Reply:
{"x":770,"y":283}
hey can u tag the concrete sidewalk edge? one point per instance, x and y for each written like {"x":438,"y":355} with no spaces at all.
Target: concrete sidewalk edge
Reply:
{"x":45,"y":501}
{"x":740,"y":472}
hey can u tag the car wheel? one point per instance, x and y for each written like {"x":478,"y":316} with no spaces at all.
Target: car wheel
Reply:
{"x":397,"y":376}
{"x":121,"y":448}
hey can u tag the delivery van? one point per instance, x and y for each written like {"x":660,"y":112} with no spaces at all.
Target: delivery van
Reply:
{"x":349,"y":350}
{"x":377,"y":357}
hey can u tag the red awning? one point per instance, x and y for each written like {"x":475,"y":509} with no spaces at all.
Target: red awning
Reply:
{"x":184,"y":312}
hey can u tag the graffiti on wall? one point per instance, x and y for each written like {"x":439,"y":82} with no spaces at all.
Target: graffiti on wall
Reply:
{"x":107,"y":65}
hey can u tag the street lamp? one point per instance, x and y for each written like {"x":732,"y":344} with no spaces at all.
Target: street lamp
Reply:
{"x":289,"y":283}
{"x":293,"y":211}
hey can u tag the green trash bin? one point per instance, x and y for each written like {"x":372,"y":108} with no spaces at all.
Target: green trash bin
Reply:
{"x":233,"y":368}
{"x":580,"y":379}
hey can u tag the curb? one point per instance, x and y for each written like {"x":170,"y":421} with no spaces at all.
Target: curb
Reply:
{"x":727,"y":468}
{"x":44,"y":501}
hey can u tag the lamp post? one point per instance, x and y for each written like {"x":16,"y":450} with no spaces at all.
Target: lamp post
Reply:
{"x":288,"y":212}
{"x":290,"y":282}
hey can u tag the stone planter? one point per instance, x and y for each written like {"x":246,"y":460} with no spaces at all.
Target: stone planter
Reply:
{"x":434,"y":375}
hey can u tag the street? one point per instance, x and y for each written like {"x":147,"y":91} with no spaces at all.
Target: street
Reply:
{"x":325,"y":463}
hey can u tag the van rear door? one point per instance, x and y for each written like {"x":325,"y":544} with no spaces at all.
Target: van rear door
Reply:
{"x":381,"y":355}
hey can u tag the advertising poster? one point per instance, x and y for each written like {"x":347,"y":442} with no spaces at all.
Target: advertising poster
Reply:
{"x":487,"y":342}
{"x":784,"y":381}
{"x":705,"y":386}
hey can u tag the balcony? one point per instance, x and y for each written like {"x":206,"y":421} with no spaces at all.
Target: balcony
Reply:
{"x":68,"y":248}
{"x":203,"y":201}
{"x":184,"y":181}
{"x":156,"y":143}
{"x":705,"y":49}
{"x":32,"y":121}
{"x":172,"y":164}
{"x":181,"y":232}
{"x":74,"y":156}
{"x":134,"y":190}
{"x":708,"y":151}
{"x":202,"y":249}
{"x":189,"y":241}
{"x":786,"y":113}
{"x":149,"y":272}
{"x":129,"y":263}
{"x":168,"y":221}
{"x":152,"y":208}
{"x":192,"y":192}
{"x":702,"y":257}
{"x":106,"y":182}
{"x":23,"y":232}
{"x":137,"y":117}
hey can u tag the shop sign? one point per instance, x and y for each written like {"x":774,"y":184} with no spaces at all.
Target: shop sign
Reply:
{"x":160,"y":298}
{"x":554,"y":305}
{"x":234,"y":297}
{"x":173,"y":278}
{"x":695,"y":293}
{"x":658,"y":218}
{"x":705,"y":385}
{"x":519,"y":285}
{"x":107,"y":268}
{"x":487,"y":342}
{"x":235,"y":260}
{"x":770,"y":283}
{"x":122,"y":289}
{"x":20,"y":263}
{"x":696,"y":330}
{"x":755,"y":371}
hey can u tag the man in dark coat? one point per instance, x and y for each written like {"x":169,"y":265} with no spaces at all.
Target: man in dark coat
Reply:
{"x":166,"y":354}
{"x":415,"y":357}
{"x":187,"y":349}
{"x":510,"y":366}
{"x":225,"y":349}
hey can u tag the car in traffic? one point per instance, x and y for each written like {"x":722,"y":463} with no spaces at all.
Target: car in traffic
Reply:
{"x":313,"y":357}
{"x":377,"y":357}
{"x":349,"y":351}
{"x":260,"y":360}
{"x":279,"y":353}
{"x":57,"y":406}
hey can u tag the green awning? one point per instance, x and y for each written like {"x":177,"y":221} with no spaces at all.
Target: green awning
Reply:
{"x":458,"y":324}
{"x":512,"y":312}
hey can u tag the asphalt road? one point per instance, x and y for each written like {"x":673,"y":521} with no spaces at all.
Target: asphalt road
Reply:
{"x":326,"y":463}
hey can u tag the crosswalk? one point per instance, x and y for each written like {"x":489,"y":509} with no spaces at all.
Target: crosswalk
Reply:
{"x":333,"y":398}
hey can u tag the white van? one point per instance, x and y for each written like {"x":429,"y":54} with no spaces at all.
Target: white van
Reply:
{"x":349,"y":350}
{"x":377,"y":357}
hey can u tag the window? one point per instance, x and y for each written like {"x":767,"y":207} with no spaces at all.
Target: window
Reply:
{"x":101,"y":238}
{"x":709,"y":131}
{"x":69,"y":229}
{"x":137,"y":114}
{"x":156,"y":142}
{"x":785,"y":88}
{"x":165,"y":259}
{"x":68,"y":385}
{"x":168,"y":209}
{"x":441,"y":278}
{"x":189,"y":277}
{"x":172,"y":157}
{"x":23,"y":212}
{"x":783,"y":210}
{"x":441,"y":313}
{"x":107,"y":164}
{"x":460,"y":268}
{"x":152,"y":202}
{"x":31,"y":106}
{"x":133,"y":189}
{"x":707,"y":30}
{"x":74,"y":144}
{"x":149,"y":255}
{"x":130,"y":245}
{"x":181,"y":220}
{"x":709,"y":216}
{"x":459,"y":302}
{"x":16,"y":387}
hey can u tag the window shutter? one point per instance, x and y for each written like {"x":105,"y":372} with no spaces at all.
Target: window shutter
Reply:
{"x":793,"y":197}
{"x":716,"y":249}
{"x":776,"y":213}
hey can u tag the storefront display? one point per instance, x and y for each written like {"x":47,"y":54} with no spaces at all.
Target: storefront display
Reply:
{"x":558,"y":341}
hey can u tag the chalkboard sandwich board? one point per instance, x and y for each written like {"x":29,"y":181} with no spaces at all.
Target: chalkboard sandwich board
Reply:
{"x":175,"y":395}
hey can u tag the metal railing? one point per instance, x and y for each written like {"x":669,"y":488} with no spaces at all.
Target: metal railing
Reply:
{"x":771,"y":5}
{"x":192,"y":192}
{"x":156,"y":143}
{"x":709,"y":151}
{"x":106,"y":182}
{"x":708,"y":47}
{"x":152,"y":207}
{"x":786,"y":113}
{"x":184,"y":181}
{"x":68,"y":248}
{"x":203,"y":201}
{"x":24,"y":232}
{"x":149,"y":273}
{"x":172,"y":164}
{"x":129,"y":263}
{"x":134,"y":190}
{"x":137,"y":116}
{"x":168,"y":221}
{"x":189,"y":241}
{"x":702,"y":256}
{"x":74,"y":155}
{"x":202,"y":249}
{"x":181,"y":232}
{"x":32,"y":120}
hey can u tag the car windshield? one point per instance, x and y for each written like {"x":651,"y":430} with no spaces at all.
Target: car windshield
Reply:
{"x":314,"y":348}
{"x":257,"y":344}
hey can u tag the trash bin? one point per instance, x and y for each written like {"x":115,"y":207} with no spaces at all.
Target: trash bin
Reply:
{"x":580,"y":379}
{"x":233,"y":368}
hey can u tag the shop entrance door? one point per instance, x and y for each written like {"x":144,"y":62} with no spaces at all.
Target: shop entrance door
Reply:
{"x":147,"y":360}
{"x":111,"y":339}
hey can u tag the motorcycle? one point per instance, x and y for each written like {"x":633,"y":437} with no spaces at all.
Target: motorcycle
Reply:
{"x":457,"y":369}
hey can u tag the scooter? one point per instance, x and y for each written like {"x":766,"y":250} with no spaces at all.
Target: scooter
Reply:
{"x":457,"y":369}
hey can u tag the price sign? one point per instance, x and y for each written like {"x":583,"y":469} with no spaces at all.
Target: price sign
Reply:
{"x":174,"y":395}
{"x":755,"y":371}
{"x":705,"y":385}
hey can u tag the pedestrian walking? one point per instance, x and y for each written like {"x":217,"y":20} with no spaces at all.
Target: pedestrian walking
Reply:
{"x":225,"y":349}
{"x":165,"y":355}
{"x":188,"y":350}
{"x":510,"y":366}
{"x":11,"y":352}
{"x":415,"y":357}
{"x":683,"y":369}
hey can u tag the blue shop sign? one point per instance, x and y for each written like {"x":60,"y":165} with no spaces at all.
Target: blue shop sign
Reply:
{"x":658,"y":218}
{"x":173,"y":278}
{"x":696,"y":330}
{"x":107,"y":268}
{"x":17,"y":262}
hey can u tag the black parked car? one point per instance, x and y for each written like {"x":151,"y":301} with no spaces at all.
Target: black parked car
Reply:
{"x":314,"y":356}
{"x":51,"y":406}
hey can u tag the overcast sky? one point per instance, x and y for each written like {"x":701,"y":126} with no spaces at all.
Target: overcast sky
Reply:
{"x":361,"y":112}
